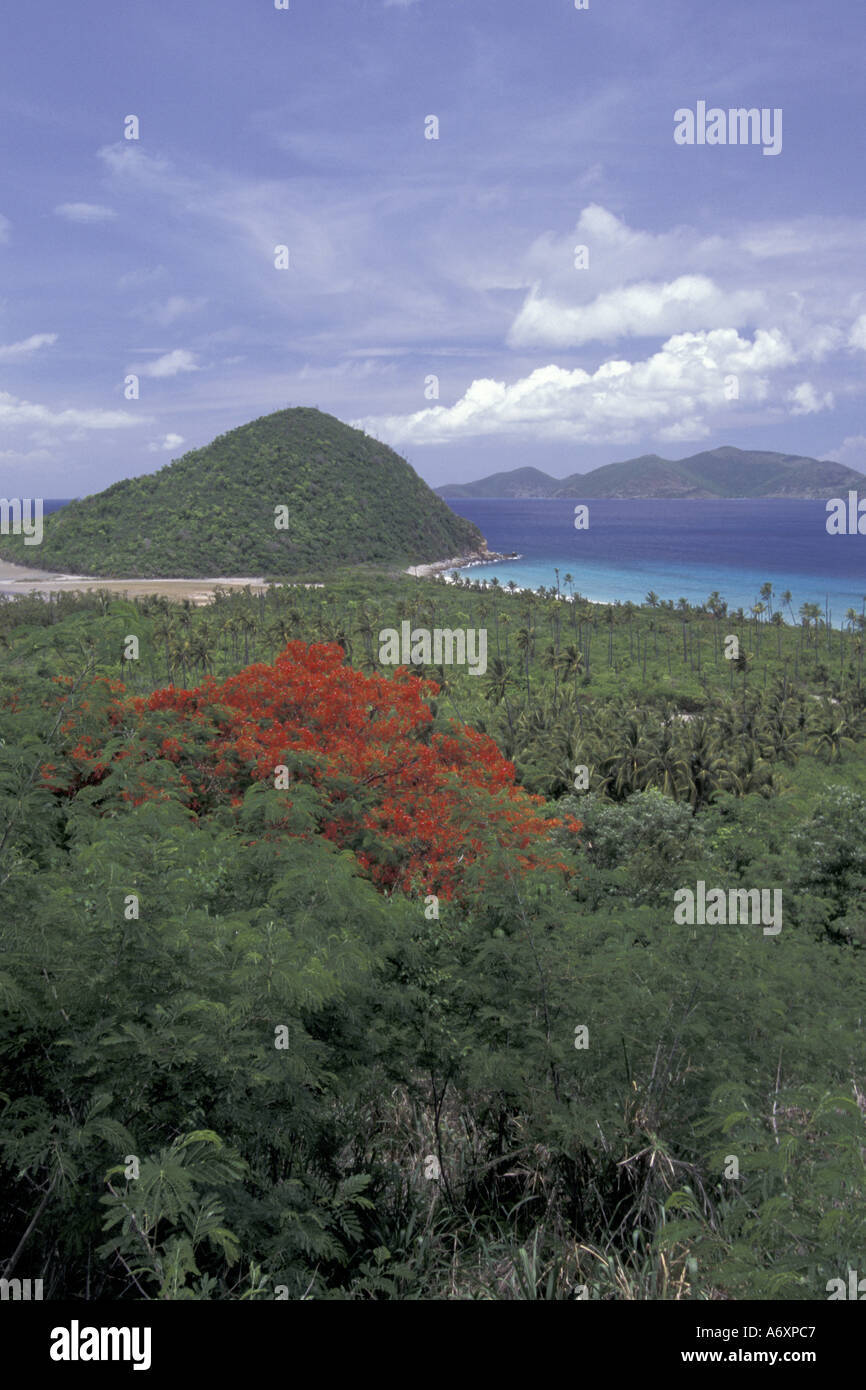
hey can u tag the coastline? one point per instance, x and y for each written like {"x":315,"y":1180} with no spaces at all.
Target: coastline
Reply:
{"x":457,"y":562}
{"x":21,"y":579}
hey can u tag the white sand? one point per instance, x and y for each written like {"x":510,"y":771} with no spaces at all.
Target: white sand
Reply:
{"x":20,"y":579}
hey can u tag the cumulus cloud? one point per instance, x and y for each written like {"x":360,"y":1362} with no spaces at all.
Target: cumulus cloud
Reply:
{"x":627,"y":282}
{"x":168,"y":442}
{"x":17,"y":412}
{"x":668,"y":394}
{"x":805,"y":400}
{"x":11,"y":352}
{"x":852,"y":451}
{"x":638,"y":310}
{"x":85,"y":212}
{"x":726,"y":311}
{"x":693,"y":300}
{"x":170,"y":364}
{"x":857,"y":336}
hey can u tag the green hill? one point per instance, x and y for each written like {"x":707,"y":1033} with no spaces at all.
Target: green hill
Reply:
{"x":350,"y":500}
{"x":519,"y":482}
{"x":715,"y":473}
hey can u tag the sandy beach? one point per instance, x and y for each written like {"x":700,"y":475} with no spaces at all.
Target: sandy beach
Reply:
{"x":20,"y":579}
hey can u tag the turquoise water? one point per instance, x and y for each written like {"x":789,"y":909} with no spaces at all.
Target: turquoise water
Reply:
{"x":678,"y":549}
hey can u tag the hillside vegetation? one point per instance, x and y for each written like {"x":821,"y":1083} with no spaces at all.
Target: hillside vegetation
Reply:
{"x":350,"y":500}
{"x":375,"y":1020}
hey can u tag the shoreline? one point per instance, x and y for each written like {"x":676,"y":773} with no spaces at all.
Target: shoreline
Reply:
{"x":20,"y":580}
{"x":458,"y":562}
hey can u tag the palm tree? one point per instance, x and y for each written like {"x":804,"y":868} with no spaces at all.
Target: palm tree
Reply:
{"x":524,"y":646}
{"x":752,"y":774}
{"x":665,"y":767}
{"x":571,"y":661}
{"x":164,"y":630}
{"x":704,"y":764}
{"x":810,"y":614}
{"x":832,"y":733}
{"x":497,"y":680}
{"x":279,"y":634}
{"x":551,"y":661}
{"x":622,"y":771}
{"x":505,"y":623}
{"x":200,"y":648}
{"x":766,"y":592}
{"x":182,"y":650}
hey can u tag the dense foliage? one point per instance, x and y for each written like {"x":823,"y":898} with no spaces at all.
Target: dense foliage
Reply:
{"x":212,"y":512}
{"x":333,"y":1092}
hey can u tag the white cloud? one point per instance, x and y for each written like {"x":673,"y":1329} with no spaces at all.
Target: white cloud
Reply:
{"x":5,"y":228}
{"x":127,"y":160}
{"x":681,"y":279}
{"x":683,"y":430}
{"x":852,"y":451}
{"x":85,"y":212}
{"x":175,"y":307}
{"x":170,"y":364}
{"x":28,"y":456}
{"x":168,"y":442}
{"x":805,"y":400}
{"x":774,"y":288}
{"x":17,"y":412}
{"x":11,"y":352}
{"x":857,"y":336}
{"x":638,"y":310}
{"x":667,"y":394}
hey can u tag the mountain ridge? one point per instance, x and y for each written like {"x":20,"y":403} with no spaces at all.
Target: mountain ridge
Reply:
{"x":724,"y":472}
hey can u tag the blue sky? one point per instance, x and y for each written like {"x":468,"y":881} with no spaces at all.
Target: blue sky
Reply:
{"x":412,"y":258}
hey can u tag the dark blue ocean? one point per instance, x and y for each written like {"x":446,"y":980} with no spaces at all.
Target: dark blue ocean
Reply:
{"x":678,"y":549}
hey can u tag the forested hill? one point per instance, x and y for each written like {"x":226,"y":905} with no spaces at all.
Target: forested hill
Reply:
{"x":349,"y":500}
{"x":724,"y":472}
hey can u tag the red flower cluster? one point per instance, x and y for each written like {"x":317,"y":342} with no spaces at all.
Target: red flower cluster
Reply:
{"x":416,"y":807}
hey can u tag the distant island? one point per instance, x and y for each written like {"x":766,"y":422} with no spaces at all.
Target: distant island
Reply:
{"x":715,"y":473}
{"x":292,"y":492}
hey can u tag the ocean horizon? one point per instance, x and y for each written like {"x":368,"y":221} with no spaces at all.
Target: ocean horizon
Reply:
{"x":675,"y":548}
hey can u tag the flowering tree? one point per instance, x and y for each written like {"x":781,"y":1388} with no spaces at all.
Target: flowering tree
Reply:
{"x":416,"y":806}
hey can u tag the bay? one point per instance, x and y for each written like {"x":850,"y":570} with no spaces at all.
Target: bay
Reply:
{"x":678,"y":549}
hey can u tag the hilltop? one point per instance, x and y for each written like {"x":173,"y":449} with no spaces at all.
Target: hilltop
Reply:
{"x":350,"y":500}
{"x":519,"y":482}
{"x":714,"y":473}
